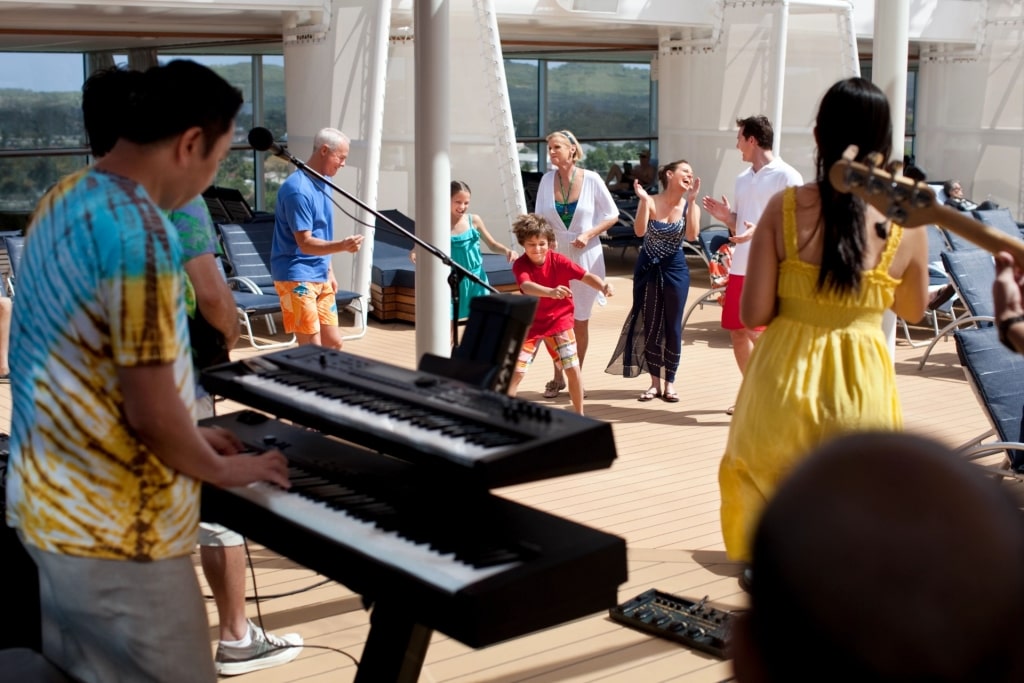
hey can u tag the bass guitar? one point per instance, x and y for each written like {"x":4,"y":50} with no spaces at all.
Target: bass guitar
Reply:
{"x":911,"y":203}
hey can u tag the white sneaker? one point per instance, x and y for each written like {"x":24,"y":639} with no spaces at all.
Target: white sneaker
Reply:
{"x":265,"y":650}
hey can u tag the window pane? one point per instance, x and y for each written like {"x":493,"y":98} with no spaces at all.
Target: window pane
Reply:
{"x":24,"y":180}
{"x":40,"y":108}
{"x":236,"y":70}
{"x":522,"y":76}
{"x":623,"y":153}
{"x":599,"y":99}
{"x":236,"y":171}
{"x":40,"y":100}
{"x":273,"y":95}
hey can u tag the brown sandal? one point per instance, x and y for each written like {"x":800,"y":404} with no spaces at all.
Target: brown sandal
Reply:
{"x":649,"y":395}
{"x":552,"y":388}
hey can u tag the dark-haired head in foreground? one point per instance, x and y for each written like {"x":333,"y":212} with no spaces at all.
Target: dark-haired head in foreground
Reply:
{"x":884,"y":557}
{"x":167,"y":128}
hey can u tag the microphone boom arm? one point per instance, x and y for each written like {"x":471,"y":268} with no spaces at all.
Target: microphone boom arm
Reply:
{"x":444,"y":258}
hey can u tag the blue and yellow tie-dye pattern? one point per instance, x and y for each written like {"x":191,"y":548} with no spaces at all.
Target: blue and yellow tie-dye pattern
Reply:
{"x":100,"y":288}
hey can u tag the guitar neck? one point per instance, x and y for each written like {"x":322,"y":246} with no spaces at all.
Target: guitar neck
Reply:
{"x":912,"y":204}
{"x":973,"y":230}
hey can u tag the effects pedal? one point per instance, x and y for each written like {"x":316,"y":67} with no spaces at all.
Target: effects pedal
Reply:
{"x":694,"y":624}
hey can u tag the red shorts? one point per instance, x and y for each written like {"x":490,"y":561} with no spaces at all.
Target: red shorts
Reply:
{"x":731,"y":304}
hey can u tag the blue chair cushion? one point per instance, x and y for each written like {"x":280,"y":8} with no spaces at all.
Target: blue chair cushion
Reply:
{"x":973,"y":274}
{"x":257,"y":304}
{"x":386,"y":233}
{"x":1001,"y":219}
{"x":499,"y":270}
{"x":997,"y":375}
{"x":392,"y":266}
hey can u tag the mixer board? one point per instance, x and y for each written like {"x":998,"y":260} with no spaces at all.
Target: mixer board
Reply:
{"x":694,"y":624}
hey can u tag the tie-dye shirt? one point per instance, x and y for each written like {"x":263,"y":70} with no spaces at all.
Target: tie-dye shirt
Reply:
{"x":100,"y":288}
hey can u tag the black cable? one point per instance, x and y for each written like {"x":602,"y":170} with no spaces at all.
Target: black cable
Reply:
{"x":297,"y":591}
{"x":333,"y":200}
{"x":274,"y":596}
{"x":259,"y":613}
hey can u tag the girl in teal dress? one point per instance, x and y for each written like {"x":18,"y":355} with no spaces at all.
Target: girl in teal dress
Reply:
{"x":467,"y":231}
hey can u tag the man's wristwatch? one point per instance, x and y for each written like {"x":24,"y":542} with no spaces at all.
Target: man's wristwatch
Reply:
{"x":1004,"y":328}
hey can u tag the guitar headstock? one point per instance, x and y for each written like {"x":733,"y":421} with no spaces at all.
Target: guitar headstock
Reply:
{"x":903,"y":200}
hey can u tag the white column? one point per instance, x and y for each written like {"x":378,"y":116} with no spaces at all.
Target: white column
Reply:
{"x":889,"y":63}
{"x":433,"y":176}
{"x":320,"y":65}
{"x":376,"y":72}
{"x":889,"y":72}
{"x":778,"y":73}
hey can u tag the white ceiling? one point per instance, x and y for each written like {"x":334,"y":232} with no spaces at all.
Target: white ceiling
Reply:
{"x":82,"y":27}
{"x":254,"y":27}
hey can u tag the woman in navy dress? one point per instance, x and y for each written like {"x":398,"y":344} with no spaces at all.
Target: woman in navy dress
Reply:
{"x":651,"y":339}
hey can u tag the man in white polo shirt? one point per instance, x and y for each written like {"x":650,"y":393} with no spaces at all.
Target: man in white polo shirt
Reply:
{"x":766,"y":176}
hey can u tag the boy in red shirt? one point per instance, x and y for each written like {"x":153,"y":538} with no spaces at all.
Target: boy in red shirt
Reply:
{"x":544,"y":273}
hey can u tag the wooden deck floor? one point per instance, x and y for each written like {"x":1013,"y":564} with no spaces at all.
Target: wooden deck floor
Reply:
{"x":661,"y":495}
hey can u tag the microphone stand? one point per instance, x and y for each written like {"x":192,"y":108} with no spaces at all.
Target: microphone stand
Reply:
{"x":457,"y":271}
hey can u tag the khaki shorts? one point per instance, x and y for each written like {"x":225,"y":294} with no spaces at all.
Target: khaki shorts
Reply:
{"x":119,"y":620}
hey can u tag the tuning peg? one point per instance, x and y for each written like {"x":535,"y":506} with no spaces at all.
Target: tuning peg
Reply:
{"x":896,"y":168}
{"x":850,"y":154}
{"x":874,"y":159}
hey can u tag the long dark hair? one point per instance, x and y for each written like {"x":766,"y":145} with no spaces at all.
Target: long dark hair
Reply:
{"x":853,"y":112}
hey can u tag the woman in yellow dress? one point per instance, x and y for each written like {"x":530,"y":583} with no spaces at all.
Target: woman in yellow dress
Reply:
{"x":823,"y":268}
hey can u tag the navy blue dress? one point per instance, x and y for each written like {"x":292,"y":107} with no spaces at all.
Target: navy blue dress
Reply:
{"x":651,"y":339}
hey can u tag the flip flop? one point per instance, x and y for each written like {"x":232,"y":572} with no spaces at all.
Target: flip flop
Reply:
{"x":671,"y":397}
{"x":552,"y":388}
{"x":649,"y":395}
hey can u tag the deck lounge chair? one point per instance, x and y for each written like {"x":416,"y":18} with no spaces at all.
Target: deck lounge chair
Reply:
{"x":227,"y":205}
{"x":940,"y":289}
{"x":971,"y":274}
{"x":393,"y":274}
{"x":252,"y":303}
{"x":996,"y":375}
{"x":247,"y":248}
{"x":710,"y":240}
{"x":1000,"y":219}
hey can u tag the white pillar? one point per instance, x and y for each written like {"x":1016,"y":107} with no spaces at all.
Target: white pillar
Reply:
{"x":889,"y":72}
{"x":778,"y":72}
{"x":889,"y":63}
{"x":376,"y":72}
{"x":320,"y":64}
{"x":433,"y":176}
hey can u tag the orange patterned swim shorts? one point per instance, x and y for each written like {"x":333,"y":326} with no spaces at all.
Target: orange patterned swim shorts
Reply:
{"x":305,"y":306}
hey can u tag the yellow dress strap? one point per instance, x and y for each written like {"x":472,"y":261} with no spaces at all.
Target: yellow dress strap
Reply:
{"x":789,"y":235}
{"x":892,"y":242}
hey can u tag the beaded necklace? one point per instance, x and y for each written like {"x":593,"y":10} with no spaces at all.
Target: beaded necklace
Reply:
{"x":565,"y":195}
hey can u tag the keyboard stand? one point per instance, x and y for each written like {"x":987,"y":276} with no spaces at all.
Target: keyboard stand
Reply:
{"x":395,"y":648}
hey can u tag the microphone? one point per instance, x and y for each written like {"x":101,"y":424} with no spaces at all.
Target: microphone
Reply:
{"x":262,"y":140}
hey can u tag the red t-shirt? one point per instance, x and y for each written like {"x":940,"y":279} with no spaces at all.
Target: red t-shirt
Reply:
{"x":553,"y":315}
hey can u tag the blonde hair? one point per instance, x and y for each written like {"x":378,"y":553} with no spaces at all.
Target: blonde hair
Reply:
{"x":567,"y":135}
